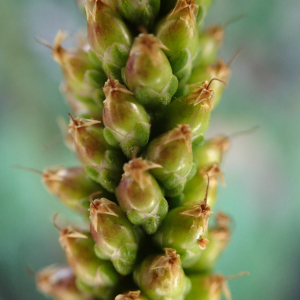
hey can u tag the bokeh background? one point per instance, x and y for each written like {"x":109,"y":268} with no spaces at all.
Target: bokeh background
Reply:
{"x":262,"y":170}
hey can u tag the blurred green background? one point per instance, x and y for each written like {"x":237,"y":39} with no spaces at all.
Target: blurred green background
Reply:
{"x":262,"y":169}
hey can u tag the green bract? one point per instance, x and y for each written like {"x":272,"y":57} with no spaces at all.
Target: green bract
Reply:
{"x":84,"y":78}
{"x":139,"y":12}
{"x":108,"y":36}
{"x":127,"y":124}
{"x":182,"y":230}
{"x":173,"y":151}
{"x":195,"y":109}
{"x":103,"y":164}
{"x":210,"y":42}
{"x":161,"y":277}
{"x":195,"y":188}
{"x":208,"y":287}
{"x":116,"y":239}
{"x":178,"y":32}
{"x":212,"y":151}
{"x":92,"y":273}
{"x":140,"y":196}
{"x":148,"y":73}
{"x":72,"y":186}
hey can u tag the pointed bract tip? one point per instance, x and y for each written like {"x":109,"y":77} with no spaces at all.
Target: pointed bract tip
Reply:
{"x":113,"y":85}
{"x":131,"y":295}
{"x":217,"y":33}
{"x":181,"y":132}
{"x":213,"y":170}
{"x":135,"y":169}
{"x":77,"y":123}
{"x":187,"y":11}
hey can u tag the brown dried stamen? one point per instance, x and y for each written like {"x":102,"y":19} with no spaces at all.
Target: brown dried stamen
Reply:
{"x":202,"y":242}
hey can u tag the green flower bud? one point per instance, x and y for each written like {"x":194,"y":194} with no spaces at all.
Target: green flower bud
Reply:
{"x":210,"y":42}
{"x":108,"y":36}
{"x":72,"y":186}
{"x":161,"y":277}
{"x":173,"y":151}
{"x":140,"y":196}
{"x":91,"y":271}
{"x":212,"y":151}
{"x":218,"y":70}
{"x":103,"y":164}
{"x":178,"y":32}
{"x":127,"y":124}
{"x":132,"y":295}
{"x":58,"y":282}
{"x":211,"y":287}
{"x":115,"y":237}
{"x":183,"y":228}
{"x":138,"y":12}
{"x":219,"y":237}
{"x":195,"y":188}
{"x":84,"y":79}
{"x":148,"y":72}
{"x":194,"y":110}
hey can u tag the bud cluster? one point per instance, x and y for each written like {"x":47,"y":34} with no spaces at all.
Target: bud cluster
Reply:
{"x":140,"y":107}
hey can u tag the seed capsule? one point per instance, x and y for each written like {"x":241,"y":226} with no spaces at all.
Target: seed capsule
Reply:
{"x":194,"y":110}
{"x":140,"y":196}
{"x":173,"y":151}
{"x":139,"y":13}
{"x":58,"y":282}
{"x":92,"y":273}
{"x":183,"y":228}
{"x":72,"y":186}
{"x":84,"y":79}
{"x":148,"y":72}
{"x":87,"y":109}
{"x":161,"y":277}
{"x":219,"y":238}
{"x":127,"y":124}
{"x":178,"y":32}
{"x":132,"y":295}
{"x":103,"y":164}
{"x":195,"y":188}
{"x":211,"y":287}
{"x":219,"y":70}
{"x":116,"y":239}
{"x":108,"y":36}
{"x":212,"y":151}
{"x":210,"y":42}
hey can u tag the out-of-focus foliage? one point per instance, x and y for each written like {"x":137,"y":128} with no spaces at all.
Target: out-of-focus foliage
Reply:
{"x":262,"y":169}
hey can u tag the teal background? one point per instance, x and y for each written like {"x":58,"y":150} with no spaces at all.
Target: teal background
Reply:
{"x":262,"y":169}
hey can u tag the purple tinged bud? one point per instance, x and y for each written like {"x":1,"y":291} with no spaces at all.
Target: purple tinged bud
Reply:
{"x":59,"y":282}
